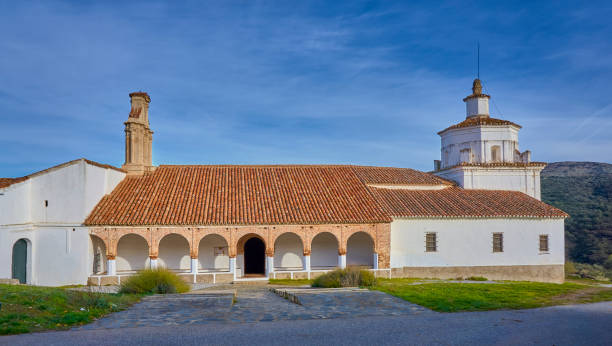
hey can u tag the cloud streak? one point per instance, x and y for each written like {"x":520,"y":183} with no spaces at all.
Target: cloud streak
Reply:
{"x":260,"y":82}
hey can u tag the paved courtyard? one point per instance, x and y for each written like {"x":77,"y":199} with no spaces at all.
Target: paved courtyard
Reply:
{"x":231,"y":304}
{"x":587,"y":324}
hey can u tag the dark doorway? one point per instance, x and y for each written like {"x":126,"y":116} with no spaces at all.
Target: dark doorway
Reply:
{"x":254,"y":256}
{"x":20,"y":260}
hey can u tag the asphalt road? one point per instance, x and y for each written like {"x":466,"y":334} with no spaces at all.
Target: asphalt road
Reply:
{"x":589,"y":324}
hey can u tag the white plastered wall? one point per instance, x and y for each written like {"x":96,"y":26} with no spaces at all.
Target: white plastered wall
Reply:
{"x":213,"y":253}
{"x":522,"y":179}
{"x":480,"y":140}
{"x":132,"y":253}
{"x":58,"y":255}
{"x":468,"y":242}
{"x":288,"y":252}
{"x":360,"y":250}
{"x":324,"y":251}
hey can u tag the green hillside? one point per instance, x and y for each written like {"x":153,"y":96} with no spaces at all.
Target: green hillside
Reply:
{"x":583,"y":190}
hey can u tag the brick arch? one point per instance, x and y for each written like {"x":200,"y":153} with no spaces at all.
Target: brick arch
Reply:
{"x":160,"y":233}
{"x":104,"y":242}
{"x":348,"y":233}
{"x":243,"y":239}
{"x":111,"y":237}
{"x":300,"y":234}
{"x":336,"y":232}
{"x":201,"y":233}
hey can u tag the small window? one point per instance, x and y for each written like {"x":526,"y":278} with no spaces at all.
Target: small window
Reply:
{"x":496,"y":153}
{"x":498,"y":242}
{"x":431,"y":244}
{"x":543,"y":242}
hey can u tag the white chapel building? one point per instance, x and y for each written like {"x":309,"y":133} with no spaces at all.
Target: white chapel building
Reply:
{"x":477,"y":214}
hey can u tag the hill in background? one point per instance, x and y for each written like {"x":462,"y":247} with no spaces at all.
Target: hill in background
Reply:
{"x":583,"y":190}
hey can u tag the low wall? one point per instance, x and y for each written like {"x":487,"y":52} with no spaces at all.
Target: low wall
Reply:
{"x":540,"y":273}
{"x":212,"y":278}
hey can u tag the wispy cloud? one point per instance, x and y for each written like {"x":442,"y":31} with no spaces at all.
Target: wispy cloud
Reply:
{"x":257,"y":82}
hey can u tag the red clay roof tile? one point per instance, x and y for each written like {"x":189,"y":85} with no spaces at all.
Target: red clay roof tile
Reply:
{"x":299,"y":194}
{"x":478,"y":121}
{"x":457,"y":202}
{"x":230,"y":195}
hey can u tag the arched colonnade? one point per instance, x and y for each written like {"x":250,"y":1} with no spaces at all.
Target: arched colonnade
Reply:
{"x":242,"y":250}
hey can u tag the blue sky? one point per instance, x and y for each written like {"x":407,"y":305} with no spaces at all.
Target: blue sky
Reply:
{"x":298,"y":82}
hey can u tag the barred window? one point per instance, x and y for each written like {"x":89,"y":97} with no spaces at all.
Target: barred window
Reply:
{"x":498,"y":242}
{"x":543,"y":242}
{"x":431,"y":244}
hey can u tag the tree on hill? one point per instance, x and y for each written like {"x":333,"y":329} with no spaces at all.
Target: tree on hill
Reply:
{"x":583,"y":190}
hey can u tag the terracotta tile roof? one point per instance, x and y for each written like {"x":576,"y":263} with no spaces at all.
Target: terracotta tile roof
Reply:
{"x":478,"y":121}
{"x":6,"y":182}
{"x":236,"y":195}
{"x":397,"y":176}
{"x":457,"y":202}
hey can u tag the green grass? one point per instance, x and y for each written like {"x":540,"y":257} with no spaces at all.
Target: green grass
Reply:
{"x":291,"y":282}
{"x":452,"y":297}
{"x":30,"y":309}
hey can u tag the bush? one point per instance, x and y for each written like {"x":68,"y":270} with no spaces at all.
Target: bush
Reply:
{"x":587,"y":271}
{"x":350,"y":277}
{"x":158,"y":280}
{"x":476,"y":278}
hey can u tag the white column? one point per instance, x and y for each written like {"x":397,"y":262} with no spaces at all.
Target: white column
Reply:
{"x":111,"y":267}
{"x":375,"y":260}
{"x":232,"y":266}
{"x":307,"y":263}
{"x":153,"y":263}
{"x":194,"y":266}
{"x":269,"y":265}
{"x":342,"y":261}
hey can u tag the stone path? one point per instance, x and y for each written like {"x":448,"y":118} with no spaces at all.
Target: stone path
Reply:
{"x":253,"y":304}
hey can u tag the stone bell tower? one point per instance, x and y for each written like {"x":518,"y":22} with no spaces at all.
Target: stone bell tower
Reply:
{"x":138,"y":136}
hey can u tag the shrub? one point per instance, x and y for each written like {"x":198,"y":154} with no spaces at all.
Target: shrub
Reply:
{"x":350,"y":277}
{"x":158,"y":280}
{"x":476,"y":278}
{"x":587,"y":271}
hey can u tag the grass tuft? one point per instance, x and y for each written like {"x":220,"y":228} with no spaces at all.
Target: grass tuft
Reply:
{"x":159,"y":281}
{"x":349,"y":277}
{"x":476,"y":278}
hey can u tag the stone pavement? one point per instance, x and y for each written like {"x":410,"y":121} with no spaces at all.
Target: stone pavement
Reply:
{"x":239,"y":304}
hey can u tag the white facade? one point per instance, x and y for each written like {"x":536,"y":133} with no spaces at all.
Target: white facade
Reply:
{"x":479,"y":144}
{"x":48,"y":210}
{"x":468,"y":242}
{"x":483,"y":153}
{"x":523,"y":179}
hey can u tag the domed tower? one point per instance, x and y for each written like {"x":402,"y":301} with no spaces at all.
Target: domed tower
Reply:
{"x":482,"y":152}
{"x":138,"y":136}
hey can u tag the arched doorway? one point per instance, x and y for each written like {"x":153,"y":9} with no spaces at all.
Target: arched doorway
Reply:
{"x":98,"y":258}
{"x":20,"y":261}
{"x":360,"y":250}
{"x":254,"y":256}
